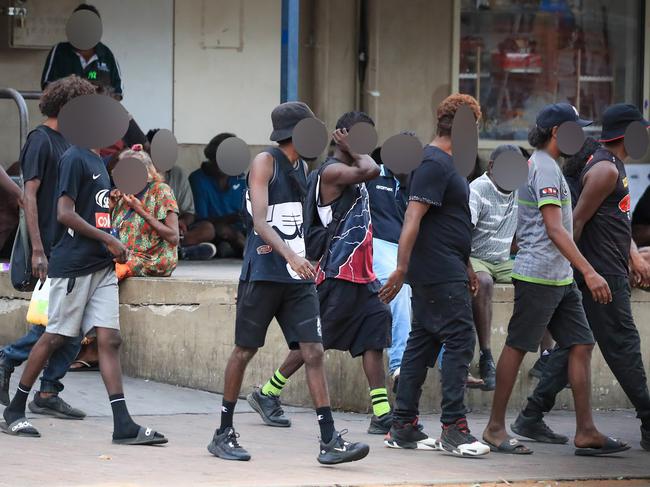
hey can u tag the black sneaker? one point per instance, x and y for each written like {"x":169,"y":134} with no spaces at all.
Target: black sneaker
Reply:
{"x":269,"y":408}
{"x":538,"y":366}
{"x":225,"y":446}
{"x":340,"y":451}
{"x":409,"y":436}
{"x":5,"y":375}
{"x":488,"y":372}
{"x":457,"y":440}
{"x":54,"y":406}
{"x":202,"y":251}
{"x":536,"y":429}
{"x":645,"y":438}
{"x":380,"y":425}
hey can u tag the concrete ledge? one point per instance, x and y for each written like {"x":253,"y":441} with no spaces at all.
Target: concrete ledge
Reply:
{"x":181,"y":331}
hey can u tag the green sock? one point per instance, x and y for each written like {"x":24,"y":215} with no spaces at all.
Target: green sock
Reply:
{"x":275,"y":384}
{"x":379,"y":398}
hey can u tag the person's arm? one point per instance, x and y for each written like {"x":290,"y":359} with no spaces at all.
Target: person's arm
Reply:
{"x":67,"y":216}
{"x":39,"y":260}
{"x":167,"y":229}
{"x":640,"y":269}
{"x":552,"y":215}
{"x":597,"y":184}
{"x":414,"y":213}
{"x":7,"y":184}
{"x":51,"y":69}
{"x":363,"y":168}
{"x":259,"y":176}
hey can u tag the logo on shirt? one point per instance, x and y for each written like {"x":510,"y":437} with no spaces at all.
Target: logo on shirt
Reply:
{"x":264,"y":249}
{"x":95,"y":176}
{"x":236,"y":186}
{"x":102,"y":198}
{"x":625,"y":204}
{"x":385,"y":188}
{"x":103,"y":220}
{"x":549,"y":192}
{"x":625,"y":182}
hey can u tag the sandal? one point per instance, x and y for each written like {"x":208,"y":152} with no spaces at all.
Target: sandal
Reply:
{"x":145,"y":436}
{"x":20,"y":427}
{"x":85,"y":366}
{"x":610,"y":447}
{"x":510,"y":445}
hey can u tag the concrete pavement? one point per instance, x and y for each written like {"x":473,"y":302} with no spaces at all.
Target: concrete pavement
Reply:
{"x":79,"y":453}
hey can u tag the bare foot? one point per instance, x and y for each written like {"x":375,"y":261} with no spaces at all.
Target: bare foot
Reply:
{"x":589,"y":439}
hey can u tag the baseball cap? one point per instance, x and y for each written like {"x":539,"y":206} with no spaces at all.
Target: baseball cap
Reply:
{"x":557,"y":113}
{"x":616,"y":119}
{"x":286,"y":116}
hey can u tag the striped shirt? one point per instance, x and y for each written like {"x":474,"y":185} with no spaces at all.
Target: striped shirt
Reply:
{"x":494,"y":217}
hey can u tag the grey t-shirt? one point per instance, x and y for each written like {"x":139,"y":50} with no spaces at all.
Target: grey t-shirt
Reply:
{"x":180,"y":185}
{"x":494,"y":217}
{"x":538,"y":259}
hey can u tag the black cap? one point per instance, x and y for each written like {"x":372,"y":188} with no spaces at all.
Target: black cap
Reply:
{"x":286,"y":116}
{"x":558,"y":113}
{"x":616,"y":119}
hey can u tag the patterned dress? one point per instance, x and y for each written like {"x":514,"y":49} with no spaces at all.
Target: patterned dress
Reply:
{"x":149,"y":253}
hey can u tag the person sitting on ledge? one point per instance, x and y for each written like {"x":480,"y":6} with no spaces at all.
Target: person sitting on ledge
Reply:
{"x":147,"y":224}
{"x":219,"y":201}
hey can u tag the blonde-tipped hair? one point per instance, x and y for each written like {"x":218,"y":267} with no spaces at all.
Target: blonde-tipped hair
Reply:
{"x":143,"y":157}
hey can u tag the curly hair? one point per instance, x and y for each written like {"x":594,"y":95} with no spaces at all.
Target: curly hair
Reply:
{"x":447,"y":110}
{"x":574,"y":165}
{"x":61,"y":91}
{"x":538,"y":137}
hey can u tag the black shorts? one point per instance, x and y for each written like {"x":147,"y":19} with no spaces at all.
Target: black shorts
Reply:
{"x":540,"y":306}
{"x":352,"y":316}
{"x":295,"y":306}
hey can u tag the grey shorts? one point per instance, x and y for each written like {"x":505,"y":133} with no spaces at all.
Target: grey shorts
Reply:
{"x":92,"y":301}
{"x":539,"y":307}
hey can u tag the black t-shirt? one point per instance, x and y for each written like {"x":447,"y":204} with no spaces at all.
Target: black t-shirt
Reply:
{"x":444,"y":242}
{"x":39,"y":159}
{"x":84,"y":178}
{"x":606,"y":238}
{"x":387,"y":206}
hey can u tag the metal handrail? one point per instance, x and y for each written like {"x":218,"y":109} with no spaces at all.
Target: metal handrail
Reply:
{"x":19,"y":98}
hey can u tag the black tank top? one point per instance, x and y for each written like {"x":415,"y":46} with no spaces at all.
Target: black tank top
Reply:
{"x":606,"y":238}
{"x":286,"y":192}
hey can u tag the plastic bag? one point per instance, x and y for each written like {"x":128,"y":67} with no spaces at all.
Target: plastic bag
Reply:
{"x":38,"y":306}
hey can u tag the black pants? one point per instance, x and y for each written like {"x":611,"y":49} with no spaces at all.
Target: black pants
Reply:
{"x":442,"y":313}
{"x":619,"y":342}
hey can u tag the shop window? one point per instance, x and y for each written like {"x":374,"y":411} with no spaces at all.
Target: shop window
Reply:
{"x":518,"y":55}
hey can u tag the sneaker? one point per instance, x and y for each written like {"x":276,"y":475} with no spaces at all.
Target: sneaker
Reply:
{"x":380,"y":425}
{"x":395,"y":377}
{"x":54,"y":406}
{"x":225,"y":446}
{"x":202,"y":251}
{"x":538,"y":366}
{"x":645,"y":438}
{"x":536,"y":429}
{"x":5,"y":375}
{"x":457,"y":440}
{"x":340,"y":451}
{"x":269,"y":408}
{"x":410,"y":436}
{"x":488,"y":373}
